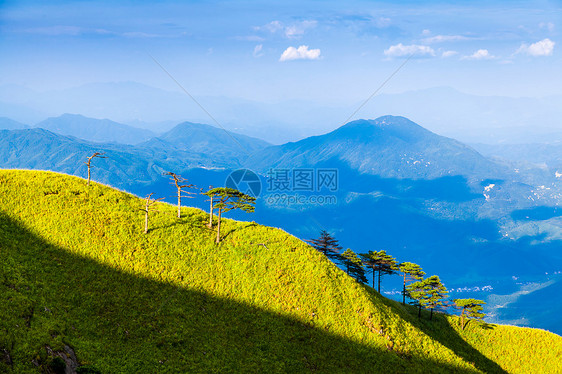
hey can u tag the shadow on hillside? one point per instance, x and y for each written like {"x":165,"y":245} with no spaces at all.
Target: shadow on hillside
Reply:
{"x":441,"y":331}
{"x":119,"y":322}
{"x":486,"y":326}
{"x":237,"y":228}
{"x":450,"y":338}
{"x":191,"y":220}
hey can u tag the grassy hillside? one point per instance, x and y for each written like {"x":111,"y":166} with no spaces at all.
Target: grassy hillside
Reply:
{"x":78,"y":275}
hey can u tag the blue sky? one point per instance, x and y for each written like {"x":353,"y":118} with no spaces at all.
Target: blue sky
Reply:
{"x":326,"y":52}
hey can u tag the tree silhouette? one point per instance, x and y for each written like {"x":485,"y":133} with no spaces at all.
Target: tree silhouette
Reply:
{"x":178,"y":180}
{"x":226,"y":199}
{"x":429,"y":293}
{"x":96,"y":154}
{"x":380,"y":262}
{"x":369,"y":264}
{"x":354,"y":266}
{"x":410,"y":272}
{"x":149,"y":202}
{"x":470,"y":309}
{"x":416,"y":292}
{"x":328,"y":245}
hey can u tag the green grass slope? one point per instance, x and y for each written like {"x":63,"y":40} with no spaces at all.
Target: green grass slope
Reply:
{"x":78,"y":275}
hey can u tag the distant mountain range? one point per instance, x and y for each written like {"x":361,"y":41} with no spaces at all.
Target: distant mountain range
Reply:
{"x":10,"y":124}
{"x":186,"y":146}
{"x":476,"y":119}
{"x":95,"y":130}
{"x":208,"y":141}
{"x":537,"y":155}
{"x":159,"y":110}
{"x":443,"y":110}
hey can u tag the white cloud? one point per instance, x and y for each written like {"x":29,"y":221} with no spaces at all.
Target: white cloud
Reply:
{"x":298,"y":29}
{"x":481,"y":54}
{"x":383,"y":22}
{"x":399,"y":50}
{"x":258,"y":50}
{"x":445,"y":38}
{"x":81,"y":31}
{"x":541,"y":48}
{"x":272,"y":26}
{"x":426,"y":32}
{"x":547,"y":25}
{"x":446,"y":54}
{"x":66,"y":30}
{"x":300,"y":53}
{"x":293,"y":31}
{"x":249,"y":38}
{"x":140,"y":34}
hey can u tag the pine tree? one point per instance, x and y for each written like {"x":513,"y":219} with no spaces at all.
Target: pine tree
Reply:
{"x":410,"y":272}
{"x":369,"y":263}
{"x":471,"y":309}
{"x":416,"y":292}
{"x":381,"y":262}
{"x":328,"y":245}
{"x":226,"y":199}
{"x":354,"y":266}
{"x":429,"y":293}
